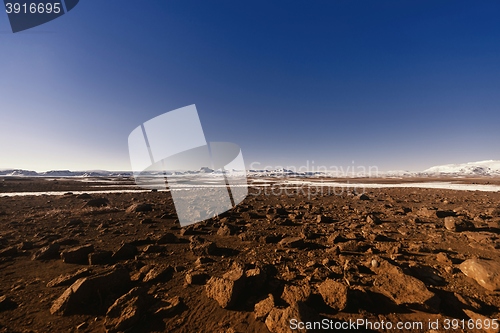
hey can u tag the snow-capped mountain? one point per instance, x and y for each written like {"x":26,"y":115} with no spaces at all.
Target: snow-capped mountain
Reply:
{"x":63,"y":173}
{"x":481,"y":168}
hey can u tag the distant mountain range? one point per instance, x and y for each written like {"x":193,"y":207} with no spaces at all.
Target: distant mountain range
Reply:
{"x":481,"y":168}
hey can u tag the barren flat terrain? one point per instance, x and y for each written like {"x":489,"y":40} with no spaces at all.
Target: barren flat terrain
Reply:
{"x":114,"y":262}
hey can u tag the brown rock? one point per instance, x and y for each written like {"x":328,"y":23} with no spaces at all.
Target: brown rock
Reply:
{"x":169,"y":306}
{"x":151,"y":248}
{"x":456,"y":224}
{"x":262,"y":309}
{"x":46,"y":253}
{"x":100,"y":258}
{"x":126,"y":251}
{"x":97,"y":202}
{"x":89,"y":290}
{"x":334,"y":294}
{"x":224,"y":231}
{"x":140,"y":208}
{"x":77,"y":255}
{"x":296,"y":293}
{"x":426,"y":212}
{"x":255,"y":278}
{"x":292,"y":242}
{"x":67,"y":279}
{"x":363,"y":197}
{"x":196,"y":277}
{"x":321,"y":218}
{"x":372,"y":219}
{"x":127,"y":310}
{"x":159,"y":272}
{"x":167,"y":238}
{"x":204,"y":248}
{"x":226,"y":290}
{"x":405,"y":289}
{"x":485,"y":272}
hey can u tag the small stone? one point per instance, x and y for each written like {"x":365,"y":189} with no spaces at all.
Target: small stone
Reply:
{"x":456,"y":224}
{"x":224,"y":231}
{"x":97,"y":203}
{"x":372,"y":219}
{"x":443,"y":258}
{"x":153,"y":249}
{"x":139,"y":208}
{"x":292,"y":242}
{"x":82,"y":326}
{"x":321,"y":218}
{"x":203,"y":260}
{"x":363,"y":197}
{"x":203,"y":248}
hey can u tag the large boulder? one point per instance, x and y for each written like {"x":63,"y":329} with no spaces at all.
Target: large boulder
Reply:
{"x":84,"y":292}
{"x":453,"y":223}
{"x":485,"y":272}
{"x":404,"y":289}
{"x":77,"y":255}
{"x":127,"y":310}
{"x":48,"y":252}
{"x":225,"y":290}
{"x":296,"y":293}
{"x":334,"y":294}
{"x":262,"y":308}
{"x":70,"y":278}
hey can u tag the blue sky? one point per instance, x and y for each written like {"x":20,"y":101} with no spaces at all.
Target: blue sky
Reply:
{"x":392,"y":84}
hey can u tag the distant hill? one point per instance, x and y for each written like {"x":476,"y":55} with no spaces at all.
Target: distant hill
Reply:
{"x":482,"y":168}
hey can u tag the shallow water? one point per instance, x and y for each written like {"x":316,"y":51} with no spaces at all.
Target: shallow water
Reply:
{"x":431,"y":185}
{"x":289,"y":183}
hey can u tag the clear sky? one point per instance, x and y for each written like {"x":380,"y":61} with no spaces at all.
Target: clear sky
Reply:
{"x":393,"y":84}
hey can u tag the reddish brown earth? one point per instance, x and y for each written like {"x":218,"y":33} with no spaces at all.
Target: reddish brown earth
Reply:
{"x":399,"y":256}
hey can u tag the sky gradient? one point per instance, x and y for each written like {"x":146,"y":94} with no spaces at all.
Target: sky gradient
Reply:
{"x":392,"y":84}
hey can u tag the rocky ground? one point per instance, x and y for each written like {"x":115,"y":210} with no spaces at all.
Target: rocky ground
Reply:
{"x":121,"y":262}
